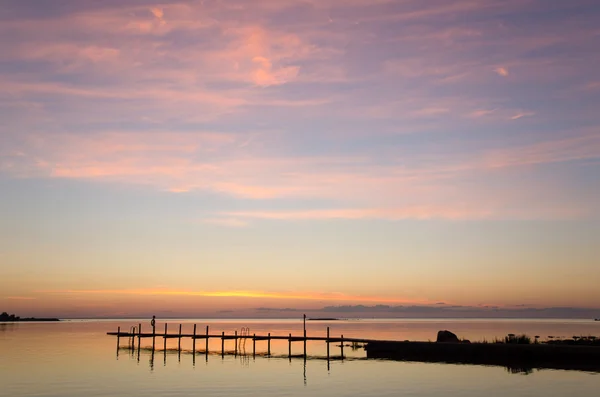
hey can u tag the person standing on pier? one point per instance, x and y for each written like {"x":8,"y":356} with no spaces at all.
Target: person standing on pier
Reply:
{"x":153,"y":323}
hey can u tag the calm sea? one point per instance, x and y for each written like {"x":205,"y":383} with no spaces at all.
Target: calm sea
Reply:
{"x":77,"y":358}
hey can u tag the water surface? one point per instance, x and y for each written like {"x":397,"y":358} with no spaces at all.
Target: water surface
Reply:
{"x":75,"y":358}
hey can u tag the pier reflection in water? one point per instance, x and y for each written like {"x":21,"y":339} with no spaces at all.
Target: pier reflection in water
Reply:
{"x":75,"y":358}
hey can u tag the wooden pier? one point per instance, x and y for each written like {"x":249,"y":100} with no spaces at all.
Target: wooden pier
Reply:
{"x":511,"y":356}
{"x":135,"y":333}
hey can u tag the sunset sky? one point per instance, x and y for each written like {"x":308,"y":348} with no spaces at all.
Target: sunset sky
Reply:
{"x":210,"y":158}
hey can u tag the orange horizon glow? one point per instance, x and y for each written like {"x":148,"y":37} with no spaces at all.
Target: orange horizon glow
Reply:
{"x":313,"y":296}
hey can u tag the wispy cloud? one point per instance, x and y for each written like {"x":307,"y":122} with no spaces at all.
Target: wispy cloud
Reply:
{"x":502,"y":71}
{"x":232,"y":165}
{"x":521,"y":115}
{"x":328,"y":100}
{"x":446,"y":311}
{"x":368,"y":213}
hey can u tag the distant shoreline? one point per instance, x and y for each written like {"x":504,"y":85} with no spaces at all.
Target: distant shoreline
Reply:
{"x":11,"y":318}
{"x":30,"y":319}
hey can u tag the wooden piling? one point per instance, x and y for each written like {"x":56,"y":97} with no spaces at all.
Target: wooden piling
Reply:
{"x":254,"y":345}
{"x":132,"y":338}
{"x":139,"y":336}
{"x":327,"y":343}
{"x":179,"y":341}
{"x":290,"y":346}
{"x":222,"y":343}
{"x":305,"y":343}
{"x":236,"y":340}
{"x":342,"y":346}
{"x":194,"y":341}
{"x":206,"y":349}
{"x":165,"y":339}
{"x":118,"y":336}
{"x":269,"y":344}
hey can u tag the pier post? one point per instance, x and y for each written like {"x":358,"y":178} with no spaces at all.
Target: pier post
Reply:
{"x":304,"y":336}
{"x":342,"y":346}
{"x":194,"y":341}
{"x":165,"y":339}
{"x":153,"y":336}
{"x":254,"y":345}
{"x":153,"y":323}
{"x":206,"y":349}
{"x":290,"y":346}
{"x":269,"y":345}
{"x":118,"y":338}
{"x":223,"y":344}
{"x":139,"y":336}
{"x":179,"y":342}
{"x":304,"y":344}
{"x":235,"y":349}
{"x":327,"y":342}
{"x":152,"y":361}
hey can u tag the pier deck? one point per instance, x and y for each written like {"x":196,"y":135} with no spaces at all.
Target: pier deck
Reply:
{"x":538,"y":355}
{"x":135,"y":332}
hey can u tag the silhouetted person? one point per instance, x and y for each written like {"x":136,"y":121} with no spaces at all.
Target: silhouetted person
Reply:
{"x":153,"y":323}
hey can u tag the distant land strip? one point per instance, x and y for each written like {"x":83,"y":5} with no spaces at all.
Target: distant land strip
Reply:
{"x":5,"y":317}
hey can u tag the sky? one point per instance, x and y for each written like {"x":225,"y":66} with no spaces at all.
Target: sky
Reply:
{"x":268,"y":157}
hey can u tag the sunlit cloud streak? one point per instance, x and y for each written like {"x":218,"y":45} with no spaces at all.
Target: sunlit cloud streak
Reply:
{"x":312,"y":296}
{"x":228,"y":164}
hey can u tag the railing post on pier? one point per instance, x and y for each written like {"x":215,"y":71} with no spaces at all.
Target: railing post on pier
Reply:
{"x":206,"y":349}
{"x":139,"y":336}
{"x":179,"y":342}
{"x":327,"y":342}
{"x":290,"y":346}
{"x":223,"y":344}
{"x":254,"y":345}
{"x":269,"y":345}
{"x":165,"y":339}
{"x":194,"y":341}
{"x":235,"y":350}
{"x":118,"y":337}
{"x":342,"y":346}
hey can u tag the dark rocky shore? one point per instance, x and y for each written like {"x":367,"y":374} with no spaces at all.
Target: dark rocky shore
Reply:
{"x":510,"y":355}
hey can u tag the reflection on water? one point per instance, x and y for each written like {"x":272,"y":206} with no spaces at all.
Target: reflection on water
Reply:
{"x":4,"y":327}
{"x":152,"y":356}
{"x":77,"y":358}
{"x":519,"y":370}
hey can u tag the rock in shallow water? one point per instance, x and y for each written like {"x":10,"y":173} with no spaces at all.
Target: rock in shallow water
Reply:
{"x":447,"y":337}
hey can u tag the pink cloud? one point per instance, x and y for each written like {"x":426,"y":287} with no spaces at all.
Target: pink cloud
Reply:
{"x":231,"y":165}
{"x":521,"y":115}
{"x":414,"y":212}
{"x":554,"y":151}
{"x":501,"y":71}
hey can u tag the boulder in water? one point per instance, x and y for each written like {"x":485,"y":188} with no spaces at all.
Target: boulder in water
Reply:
{"x":447,"y":337}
